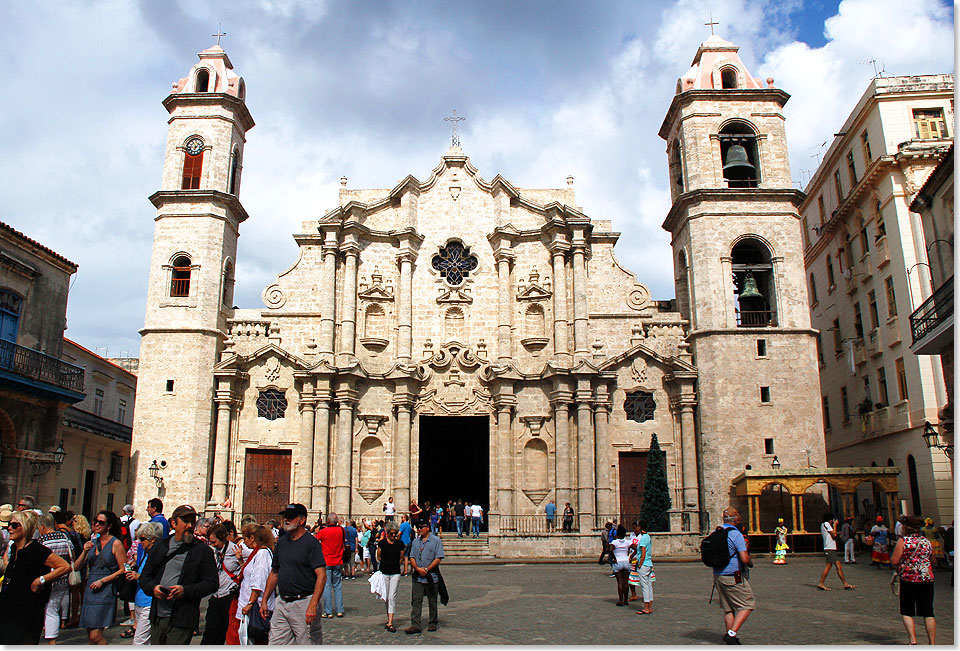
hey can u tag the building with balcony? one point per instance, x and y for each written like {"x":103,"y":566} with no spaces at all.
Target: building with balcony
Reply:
{"x":867,"y":269}
{"x":95,"y":434}
{"x":931,"y":324}
{"x":36,"y":385}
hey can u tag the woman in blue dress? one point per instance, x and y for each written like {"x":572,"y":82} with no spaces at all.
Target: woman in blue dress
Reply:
{"x":104,"y":555}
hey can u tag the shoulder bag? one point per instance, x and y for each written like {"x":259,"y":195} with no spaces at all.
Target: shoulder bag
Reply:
{"x":895,"y":579}
{"x":74,"y":578}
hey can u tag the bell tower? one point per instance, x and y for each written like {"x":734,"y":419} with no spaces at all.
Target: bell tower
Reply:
{"x":738,"y":262}
{"x":190,"y":289}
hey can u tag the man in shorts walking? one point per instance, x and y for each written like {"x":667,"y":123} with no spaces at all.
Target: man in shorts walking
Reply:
{"x":829,"y":531}
{"x":732,"y":582}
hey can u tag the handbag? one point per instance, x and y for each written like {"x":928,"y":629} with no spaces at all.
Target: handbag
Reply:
{"x":895,"y":579}
{"x":74,"y":578}
{"x":258,"y":625}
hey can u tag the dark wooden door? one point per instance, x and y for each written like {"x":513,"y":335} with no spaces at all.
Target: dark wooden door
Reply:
{"x":633,"y":470}
{"x":266,"y":482}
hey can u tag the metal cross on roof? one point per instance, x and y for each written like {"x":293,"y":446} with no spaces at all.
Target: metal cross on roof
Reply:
{"x":455,"y":119}
{"x":219,"y":33}
{"x":711,"y":24}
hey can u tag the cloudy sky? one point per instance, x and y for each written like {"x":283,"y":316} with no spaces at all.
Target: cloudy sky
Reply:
{"x":549,"y":88}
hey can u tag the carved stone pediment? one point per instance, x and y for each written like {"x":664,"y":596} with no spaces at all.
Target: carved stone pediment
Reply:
{"x":534,"y":293}
{"x":454,"y":296}
{"x":376,"y":293}
{"x":453,"y":383}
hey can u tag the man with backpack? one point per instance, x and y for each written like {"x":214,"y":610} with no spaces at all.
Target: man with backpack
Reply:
{"x":725,"y":550}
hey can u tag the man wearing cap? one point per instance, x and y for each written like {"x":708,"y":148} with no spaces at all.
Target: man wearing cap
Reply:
{"x":298,"y":574}
{"x":131,"y":522}
{"x":426,"y":552}
{"x":179,"y":572}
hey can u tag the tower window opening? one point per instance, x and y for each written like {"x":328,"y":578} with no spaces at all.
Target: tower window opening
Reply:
{"x":676,"y":166}
{"x":764,"y":394}
{"x":728,"y":78}
{"x":192,"y":164}
{"x":761,"y":347}
{"x":180,"y":282}
{"x":738,"y":153}
{"x":234,"y":171}
{"x":753,"y":284}
{"x":768,"y":446}
{"x":228,"y":283}
{"x":203,"y":80}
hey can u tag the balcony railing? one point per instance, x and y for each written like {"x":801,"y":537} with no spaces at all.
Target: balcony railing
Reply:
{"x":932,"y":311}
{"x":180,"y":287}
{"x":35,"y":365}
{"x":756,"y":319}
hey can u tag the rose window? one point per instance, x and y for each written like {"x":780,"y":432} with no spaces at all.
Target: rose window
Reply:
{"x":455,"y":262}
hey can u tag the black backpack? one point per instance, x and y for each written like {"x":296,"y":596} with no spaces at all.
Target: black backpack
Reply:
{"x":714,"y":551}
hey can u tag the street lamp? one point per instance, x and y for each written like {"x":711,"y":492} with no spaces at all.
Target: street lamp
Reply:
{"x":59,"y":455}
{"x":42,"y":466}
{"x":932,"y":438}
{"x":154,"y":470}
{"x":776,"y":463}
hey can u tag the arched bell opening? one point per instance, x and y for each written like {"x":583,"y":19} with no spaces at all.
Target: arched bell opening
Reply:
{"x":753,"y":284}
{"x":739,"y":156}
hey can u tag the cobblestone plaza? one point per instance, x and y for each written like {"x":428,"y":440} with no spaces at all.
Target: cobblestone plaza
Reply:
{"x":573,"y":603}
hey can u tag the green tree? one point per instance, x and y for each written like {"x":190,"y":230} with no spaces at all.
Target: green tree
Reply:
{"x":656,"y":493}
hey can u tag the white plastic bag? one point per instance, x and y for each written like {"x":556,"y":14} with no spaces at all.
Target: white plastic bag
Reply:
{"x":378,"y":585}
{"x":242,"y":631}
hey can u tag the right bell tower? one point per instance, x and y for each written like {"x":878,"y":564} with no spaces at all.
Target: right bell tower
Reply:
{"x":738,"y":267}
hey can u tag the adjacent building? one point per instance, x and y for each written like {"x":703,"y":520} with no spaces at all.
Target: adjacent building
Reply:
{"x":868,"y":268}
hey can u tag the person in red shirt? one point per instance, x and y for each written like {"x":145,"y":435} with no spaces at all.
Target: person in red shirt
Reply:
{"x":331,"y":537}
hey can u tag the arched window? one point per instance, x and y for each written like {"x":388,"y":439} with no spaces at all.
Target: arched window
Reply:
{"x":242,"y":90}
{"x":228,"y":282}
{"x":271,"y":404}
{"x":234,"y":171}
{"x":728,"y":78}
{"x":914,"y":485}
{"x":10,"y":305}
{"x":180,"y":282}
{"x":753,"y":284}
{"x":203,"y":80}
{"x":738,"y":153}
{"x":374,"y":321}
{"x":192,"y":163}
{"x":639,"y":406}
{"x":534,"y":322}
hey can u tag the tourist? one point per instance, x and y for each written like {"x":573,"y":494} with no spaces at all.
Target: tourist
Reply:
{"x":58,"y":605}
{"x":780,"y":550}
{"x":932,"y":535}
{"x":179,"y":572}
{"x":148,"y":533}
{"x":448,"y":516}
{"x":732,"y":581}
{"x":389,"y":509}
{"x":130,"y":521}
{"x":415,"y":512}
{"x":390,"y":554}
{"x":435,"y":520}
{"x":829,"y":532}
{"x":375,"y":537}
{"x":913,"y":558}
{"x":619,"y":547}
{"x":880,"y":555}
{"x":28,"y":574}
{"x":27,"y":503}
{"x":260,"y":541}
{"x":568,"y":518}
{"x":406,"y":537}
{"x":243,"y":555}
{"x":155,"y":511}
{"x":606,"y":537}
{"x":645,"y":568}
{"x":350,"y":539}
{"x":81,"y":527}
{"x":458,"y":511}
{"x":231,"y":532}
{"x":633,"y":578}
{"x":364,"y":550}
{"x":222,"y":607}
{"x":847,"y":536}
{"x":477,"y":519}
{"x":104,"y":555}
{"x":551,"y":510}
{"x":425,"y":556}
{"x":331,"y":539}
{"x":298,"y":574}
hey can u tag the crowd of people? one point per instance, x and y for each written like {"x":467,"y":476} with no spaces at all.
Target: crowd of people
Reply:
{"x":461,"y":516}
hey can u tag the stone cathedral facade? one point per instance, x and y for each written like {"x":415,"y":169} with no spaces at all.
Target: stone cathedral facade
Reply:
{"x":462,"y":337}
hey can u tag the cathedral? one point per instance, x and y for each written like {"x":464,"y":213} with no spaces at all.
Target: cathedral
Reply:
{"x":457,"y":337}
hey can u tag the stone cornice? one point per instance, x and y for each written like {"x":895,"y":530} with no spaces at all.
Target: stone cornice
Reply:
{"x":228,"y":202}
{"x":235,"y":104}
{"x":681,"y":100}
{"x":678,"y":211}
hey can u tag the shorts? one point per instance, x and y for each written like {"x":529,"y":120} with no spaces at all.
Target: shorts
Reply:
{"x":734,"y":596}
{"x":916,"y":598}
{"x":348,"y":557}
{"x":621,"y":565}
{"x":366,"y":553}
{"x":830,"y":555}
{"x":408,"y":549}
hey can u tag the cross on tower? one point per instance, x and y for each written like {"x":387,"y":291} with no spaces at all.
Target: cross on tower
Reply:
{"x":219,"y":33}
{"x":455,"y":119}
{"x":711,"y":24}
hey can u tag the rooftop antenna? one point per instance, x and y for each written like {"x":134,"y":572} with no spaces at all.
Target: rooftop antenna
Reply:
{"x":877,"y":72}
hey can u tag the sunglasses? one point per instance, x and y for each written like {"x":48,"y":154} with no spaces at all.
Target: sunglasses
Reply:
{"x":26,"y":506}
{"x":102,"y":522}
{"x":14,"y":525}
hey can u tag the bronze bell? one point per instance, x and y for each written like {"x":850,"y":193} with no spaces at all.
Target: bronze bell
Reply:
{"x":750,"y":289}
{"x":738,"y":161}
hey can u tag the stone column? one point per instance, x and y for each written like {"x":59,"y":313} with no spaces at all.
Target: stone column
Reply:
{"x":405,"y":308}
{"x":348,"y":318}
{"x":321,"y":450}
{"x":505,"y":313}
{"x":305,"y":452}
{"x":401,"y":449}
{"x":221,"y":451}
{"x":561,"y":420}
{"x":343,"y":449}
{"x":581,"y":325}
{"x":688,"y":446}
{"x":561,"y":344}
{"x":586,"y":447}
{"x":505,"y":488}
{"x":328,"y":285}
{"x":606,"y":500}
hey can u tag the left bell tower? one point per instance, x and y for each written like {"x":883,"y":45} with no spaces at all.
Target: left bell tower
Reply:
{"x":190,"y":290}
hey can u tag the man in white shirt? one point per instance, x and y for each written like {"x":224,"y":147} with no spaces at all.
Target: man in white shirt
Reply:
{"x":477,"y":519}
{"x":389,"y":510}
{"x":829,"y":532}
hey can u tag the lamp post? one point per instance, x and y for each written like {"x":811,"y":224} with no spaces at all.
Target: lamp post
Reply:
{"x":932,"y":438}
{"x":775,"y":464}
{"x":154,"y":470}
{"x":42,"y":467}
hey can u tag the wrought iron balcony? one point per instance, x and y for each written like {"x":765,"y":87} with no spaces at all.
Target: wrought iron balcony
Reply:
{"x":932,"y":313}
{"x":34,"y":365}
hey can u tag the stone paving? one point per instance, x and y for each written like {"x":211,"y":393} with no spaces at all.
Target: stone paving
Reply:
{"x":573,"y":603}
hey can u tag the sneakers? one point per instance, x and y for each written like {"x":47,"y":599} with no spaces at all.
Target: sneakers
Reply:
{"x":410,"y":630}
{"x":731,"y":639}
{"x":129,"y":622}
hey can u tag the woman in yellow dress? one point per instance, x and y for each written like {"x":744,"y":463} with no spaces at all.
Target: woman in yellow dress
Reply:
{"x":780,"y":558}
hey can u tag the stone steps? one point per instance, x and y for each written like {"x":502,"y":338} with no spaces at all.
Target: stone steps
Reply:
{"x":466,"y":547}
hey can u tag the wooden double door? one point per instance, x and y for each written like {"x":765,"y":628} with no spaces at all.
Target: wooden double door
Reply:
{"x":633,"y":472}
{"x":266,"y":482}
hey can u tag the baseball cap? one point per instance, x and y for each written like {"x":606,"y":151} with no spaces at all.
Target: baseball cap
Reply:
{"x":54,"y":509}
{"x":293,"y":510}
{"x":183,"y":511}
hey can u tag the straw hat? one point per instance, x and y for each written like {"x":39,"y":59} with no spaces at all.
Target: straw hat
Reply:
{"x":5,"y":516}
